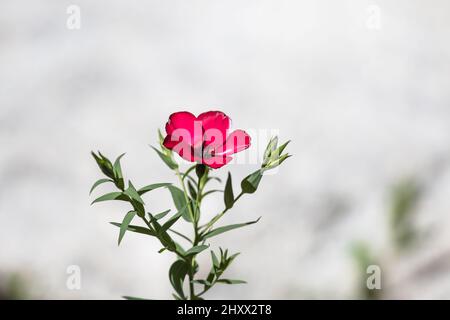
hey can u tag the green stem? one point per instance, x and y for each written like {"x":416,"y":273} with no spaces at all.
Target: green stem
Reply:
{"x":147,"y":222}
{"x":209,"y":225}
{"x":186,"y":174}
{"x":186,"y":197}
{"x":194,"y":219}
{"x":196,"y":233}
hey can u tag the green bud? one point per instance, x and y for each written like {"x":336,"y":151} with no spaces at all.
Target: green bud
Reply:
{"x":250,"y":183}
{"x":277,"y":162}
{"x":200,"y":170}
{"x":104,"y":164}
{"x":271,"y":146}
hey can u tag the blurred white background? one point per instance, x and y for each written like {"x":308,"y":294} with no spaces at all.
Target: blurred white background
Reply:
{"x":365,"y":102}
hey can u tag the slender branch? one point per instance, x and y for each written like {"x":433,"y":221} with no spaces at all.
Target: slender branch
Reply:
{"x":147,"y":222}
{"x":186,"y":174}
{"x":177,"y":172}
{"x":194,"y":222}
{"x":217,"y":278}
{"x":191,"y":278}
{"x":181,"y":235}
{"x":209,"y":225}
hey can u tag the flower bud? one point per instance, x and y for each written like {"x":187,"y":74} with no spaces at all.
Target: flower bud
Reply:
{"x":104,"y":164}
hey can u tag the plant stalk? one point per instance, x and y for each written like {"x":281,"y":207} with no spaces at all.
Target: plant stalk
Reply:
{"x":209,"y":225}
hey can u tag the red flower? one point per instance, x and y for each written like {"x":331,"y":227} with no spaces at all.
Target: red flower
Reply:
{"x":204,"y":139}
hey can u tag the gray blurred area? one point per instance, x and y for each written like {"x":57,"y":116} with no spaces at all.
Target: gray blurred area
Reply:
{"x":367,"y":109}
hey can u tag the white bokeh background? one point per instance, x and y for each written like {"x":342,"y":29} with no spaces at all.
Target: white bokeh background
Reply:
{"x":363,"y":107}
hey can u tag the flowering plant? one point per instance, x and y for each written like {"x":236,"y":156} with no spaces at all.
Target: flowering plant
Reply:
{"x":206,"y":141}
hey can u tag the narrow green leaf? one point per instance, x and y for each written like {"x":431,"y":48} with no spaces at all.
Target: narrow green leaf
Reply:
{"x":125,"y":223}
{"x":278,"y":161}
{"x":204,"y":282}
{"x":180,"y":235}
{"x":133,"y":298}
{"x":210,"y":192}
{"x":230,"y":259}
{"x":137,"y":229}
{"x":178,"y":197}
{"x":169,"y":223}
{"x":214,"y":178}
{"x":250,"y":183}
{"x":192,"y":190}
{"x":163,"y":236}
{"x":214,"y":260}
{"x":187,"y":172}
{"x":132,"y":193}
{"x":271,"y":146}
{"x":179,"y":249}
{"x":191,"y":179}
{"x":160,"y":137}
{"x":99,"y":182}
{"x":220,"y":230}
{"x":179,"y":201}
{"x":177,"y":274}
{"x":176,"y":297}
{"x":138,"y":207}
{"x":230,"y":281}
{"x":111,"y":196}
{"x":281,"y":148}
{"x":161,"y":215}
{"x":151,"y":187}
{"x":228,"y":194}
{"x":195,"y":250}
{"x":117,"y":170}
{"x":211,"y":276}
{"x":167,"y":159}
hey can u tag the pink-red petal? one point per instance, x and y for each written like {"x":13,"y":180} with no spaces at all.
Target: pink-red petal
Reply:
{"x":215,"y":126}
{"x":204,"y":138}
{"x":237,"y":141}
{"x":185,"y":150}
{"x":185,"y":124}
{"x":216,"y":162}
